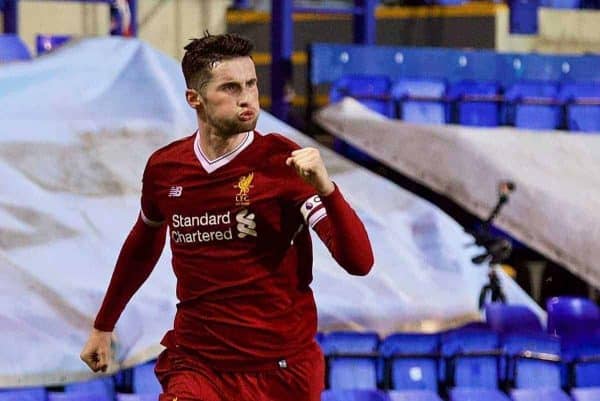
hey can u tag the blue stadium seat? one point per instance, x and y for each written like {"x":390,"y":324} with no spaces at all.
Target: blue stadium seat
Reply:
{"x":351,"y":359}
{"x":586,"y":394}
{"x":582,"y":355}
{"x":12,"y":48}
{"x":582,"y":106}
{"x":144,"y":380}
{"x":411,"y":361}
{"x":136,"y":397}
{"x":537,"y":394}
{"x":471,"y":358}
{"x":421,"y":100}
{"x":534,"y":360}
{"x":533,"y":105}
{"x":511,"y":318}
{"x":102,"y":386}
{"x":354,"y":395}
{"x":47,"y":43}
{"x":414,"y":395}
{"x":477,"y":394}
{"x":373,"y":91}
{"x":25,"y":394}
{"x":476,"y":103}
{"x":523,"y":16}
{"x":571,"y":316}
{"x":569,"y":4}
{"x":56,"y":396}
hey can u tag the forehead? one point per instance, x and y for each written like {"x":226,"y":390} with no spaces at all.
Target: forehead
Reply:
{"x":235,"y":69}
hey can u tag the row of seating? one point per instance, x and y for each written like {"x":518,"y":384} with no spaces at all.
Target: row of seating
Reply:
{"x":511,"y":351}
{"x":12,"y":48}
{"x":529,"y":104}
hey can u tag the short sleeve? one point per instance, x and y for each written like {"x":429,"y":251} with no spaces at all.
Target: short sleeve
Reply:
{"x":150,"y":211}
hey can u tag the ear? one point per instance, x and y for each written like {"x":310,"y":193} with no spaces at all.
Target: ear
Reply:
{"x":193,"y":98}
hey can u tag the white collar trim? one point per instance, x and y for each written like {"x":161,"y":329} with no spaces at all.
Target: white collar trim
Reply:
{"x":212,"y":165}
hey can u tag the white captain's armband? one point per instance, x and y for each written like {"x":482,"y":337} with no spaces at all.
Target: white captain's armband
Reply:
{"x":313,"y":210}
{"x":149,"y":222}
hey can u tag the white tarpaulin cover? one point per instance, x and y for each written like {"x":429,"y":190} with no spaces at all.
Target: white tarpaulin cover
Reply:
{"x":556,"y":206}
{"x":76,"y":127}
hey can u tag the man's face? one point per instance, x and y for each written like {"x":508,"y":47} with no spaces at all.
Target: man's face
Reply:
{"x":230,"y":98}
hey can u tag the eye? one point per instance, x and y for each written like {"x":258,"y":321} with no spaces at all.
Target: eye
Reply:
{"x":230,"y":87}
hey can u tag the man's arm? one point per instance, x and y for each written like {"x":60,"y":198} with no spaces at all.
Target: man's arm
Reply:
{"x":137,"y":259}
{"x":341,"y":230}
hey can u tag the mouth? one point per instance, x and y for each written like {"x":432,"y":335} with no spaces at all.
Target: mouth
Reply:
{"x":246,"y":115}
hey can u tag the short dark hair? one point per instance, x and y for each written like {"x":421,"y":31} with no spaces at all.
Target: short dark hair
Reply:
{"x":202,"y":54}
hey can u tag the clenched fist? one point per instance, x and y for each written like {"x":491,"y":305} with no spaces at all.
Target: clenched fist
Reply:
{"x":97,"y":352}
{"x":310,"y":167}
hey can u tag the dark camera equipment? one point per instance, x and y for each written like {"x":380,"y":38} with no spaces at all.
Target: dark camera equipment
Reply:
{"x":497,"y":249}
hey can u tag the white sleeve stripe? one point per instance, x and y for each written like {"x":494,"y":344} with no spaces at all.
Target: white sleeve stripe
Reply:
{"x":310,"y":206}
{"x":316,"y":217}
{"x":148,"y":222}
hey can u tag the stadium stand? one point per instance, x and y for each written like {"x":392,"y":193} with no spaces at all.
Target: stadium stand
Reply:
{"x":12,"y":48}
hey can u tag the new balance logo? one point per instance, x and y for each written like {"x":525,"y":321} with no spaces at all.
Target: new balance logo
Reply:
{"x":175,"y":192}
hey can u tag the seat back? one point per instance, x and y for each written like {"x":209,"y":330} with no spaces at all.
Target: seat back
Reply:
{"x":412,"y":361}
{"x":26,"y":394}
{"x":571,"y":316}
{"x":530,"y":105}
{"x":586,"y":394}
{"x":104,"y":386}
{"x":351,"y":359}
{"x":12,"y":48}
{"x":511,"y":318}
{"x":353,"y":395}
{"x":471,"y":106}
{"x":47,"y":43}
{"x":534,"y":360}
{"x":413,"y":395}
{"x":471,"y":358}
{"x":476,"y":394}
{"x":421,"y":100}
{"x":144,"y":380}
{"x":373,"y":91}
{"x":583,"y":106}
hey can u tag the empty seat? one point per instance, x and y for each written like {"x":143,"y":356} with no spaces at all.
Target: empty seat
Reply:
{"x":373,"y":91}
{"x":523,"y":18}
{"x":104,"y":386}
{"x":582,"y":106}
{"x":572,"y":316}
{"x":586,"y":394}
{"x":47,"y":43}
{"x":56,"y":396}
{"x":533,"y":105}
{"x":538,"y":394}
{"x":25,"y":394}
{"x":569,"y":4}
{"x":421,"y":100}
{"x":477,"y":394}
{"x":136,"y":397}
{"x":354,"y":395}
{"x":411,"y":361}
{"x":534,"y":360}
{"x":144,"y":380}
{"x":351,"y":359}
{"x":471,"y":358}
{"x":12,"y":48}
{"x":511,"y":318}
{"x":414,"y":395}
{"x":582,"y":356}
{"x":476,"y":103}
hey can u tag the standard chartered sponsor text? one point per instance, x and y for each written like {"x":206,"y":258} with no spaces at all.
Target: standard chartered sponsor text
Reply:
{"x":214,"y":233}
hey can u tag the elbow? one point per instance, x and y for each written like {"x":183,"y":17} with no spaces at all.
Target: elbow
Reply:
{"x":361,"y":266}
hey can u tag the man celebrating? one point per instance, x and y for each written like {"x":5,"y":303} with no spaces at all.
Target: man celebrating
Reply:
{"x":238,"y":205}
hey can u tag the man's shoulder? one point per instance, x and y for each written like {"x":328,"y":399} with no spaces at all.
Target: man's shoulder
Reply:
{"x":276,"y":141}
{"x":172,"y":150}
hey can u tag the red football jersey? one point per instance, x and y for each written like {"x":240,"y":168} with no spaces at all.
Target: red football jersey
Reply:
{"x":242,"y":253}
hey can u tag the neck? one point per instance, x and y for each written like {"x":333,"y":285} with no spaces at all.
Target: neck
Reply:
{"x":214,"y":145}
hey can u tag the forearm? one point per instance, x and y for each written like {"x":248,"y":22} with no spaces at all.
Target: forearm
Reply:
{"x":137,"y":259}
{"x":344,"y":235}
